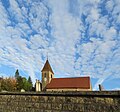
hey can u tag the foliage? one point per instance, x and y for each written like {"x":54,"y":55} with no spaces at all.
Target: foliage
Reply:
{"x":27,"y":86}
{"x":22,"y":82}
{"x":16,"y":83}
{"x":29,"y":80}
{"x":30,"y":83}
{"x":19,"y":83}
{"x":0,"y":83}
{"x":8,"y":84}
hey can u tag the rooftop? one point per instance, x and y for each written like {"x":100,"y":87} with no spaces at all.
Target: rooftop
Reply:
{"x":62,"y":83}
{"x":47,"y":67}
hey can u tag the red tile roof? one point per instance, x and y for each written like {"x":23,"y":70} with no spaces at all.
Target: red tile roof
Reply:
{"x":64,"y":83}
{"x":47,"y":67}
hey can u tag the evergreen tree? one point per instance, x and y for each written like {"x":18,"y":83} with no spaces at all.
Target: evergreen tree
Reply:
{"x":22,"y":82}
{"x":29,"y":80}
{"x":19,"y":80}
{"x":30,"y":83}
{"x":25,"y":84}
{"x":17,"y":74}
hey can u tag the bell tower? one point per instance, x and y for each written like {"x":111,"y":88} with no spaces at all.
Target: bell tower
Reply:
{"x":47,"y":74}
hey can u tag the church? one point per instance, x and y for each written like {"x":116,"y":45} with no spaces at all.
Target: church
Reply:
{"x":49,"y":83}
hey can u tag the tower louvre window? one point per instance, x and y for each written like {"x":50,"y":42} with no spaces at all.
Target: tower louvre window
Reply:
{"x":45,"y":75}
{"x":51,"y":75}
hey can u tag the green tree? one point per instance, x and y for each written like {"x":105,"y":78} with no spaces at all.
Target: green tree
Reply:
{"x":29,"y":80}
{"x":27,"y":84}
{"x":0,"y":83}
{"x":22,"y":82}
{"x":30,"y":83}
{"x":17,"y":74}
{"x":19,"y":80}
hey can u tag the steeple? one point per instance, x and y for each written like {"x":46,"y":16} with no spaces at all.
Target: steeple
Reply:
{"x":47,"y":67}
{"x":47,"y":75}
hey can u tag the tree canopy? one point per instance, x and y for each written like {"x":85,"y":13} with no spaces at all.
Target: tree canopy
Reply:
{"x":16,"y":83}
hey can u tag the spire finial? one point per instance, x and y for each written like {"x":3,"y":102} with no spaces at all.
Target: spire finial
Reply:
{"x":47,"y":55}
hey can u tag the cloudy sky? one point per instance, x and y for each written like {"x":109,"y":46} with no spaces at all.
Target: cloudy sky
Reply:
{"x":81,"y":38}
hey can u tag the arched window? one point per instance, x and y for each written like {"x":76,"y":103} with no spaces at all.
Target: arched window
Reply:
{"x":51,"y":75}
{"x":45,"y":75}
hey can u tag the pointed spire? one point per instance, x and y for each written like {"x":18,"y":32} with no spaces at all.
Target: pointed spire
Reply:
{"x":47,"y":67}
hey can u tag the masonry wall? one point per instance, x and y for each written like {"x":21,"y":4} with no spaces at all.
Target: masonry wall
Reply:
{"x":69,"y":89}
{"x":61,"y":102}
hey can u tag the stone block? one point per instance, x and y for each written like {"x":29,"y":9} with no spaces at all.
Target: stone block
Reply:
{"x":109,"y":101}
{"x":79,"y":100}
{"x":51,"y":99}
{"x":71,"y":100}
{"x":56,"y":106}
{"x":78,"y":108}
{"x":100,"y":100}
{"x":45,"y":106}
{"x":60,"y":99}
{"x":43,"y":99}
{"x":68,"y":107}
{"x":35,"y":98}
{"x":48,"y":111}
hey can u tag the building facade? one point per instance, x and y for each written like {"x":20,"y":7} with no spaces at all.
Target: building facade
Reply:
{"x":49,"y":83}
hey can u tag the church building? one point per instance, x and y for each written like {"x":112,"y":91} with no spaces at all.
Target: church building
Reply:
{"x":49,"y":83}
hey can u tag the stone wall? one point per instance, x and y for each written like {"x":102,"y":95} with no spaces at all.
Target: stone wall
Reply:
{"x":103,"y":101}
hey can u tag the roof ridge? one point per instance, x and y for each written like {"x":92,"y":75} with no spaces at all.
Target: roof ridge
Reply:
{"x":71,"y":77}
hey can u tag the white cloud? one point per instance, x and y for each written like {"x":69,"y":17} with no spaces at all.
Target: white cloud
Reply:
{"x":97,"y":56}
{"x":75,"y":45}
{"x":115,"y":89}
{"x":3,"y":75}
{"x":15,"y":11}
{"x":110,"y":5}
{"x":93,"y":15}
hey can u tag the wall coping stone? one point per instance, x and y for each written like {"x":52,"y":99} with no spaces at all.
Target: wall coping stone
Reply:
{"x":72,"y":93}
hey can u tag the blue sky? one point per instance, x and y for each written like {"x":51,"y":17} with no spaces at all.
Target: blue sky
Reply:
{"x":81,"y":37}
